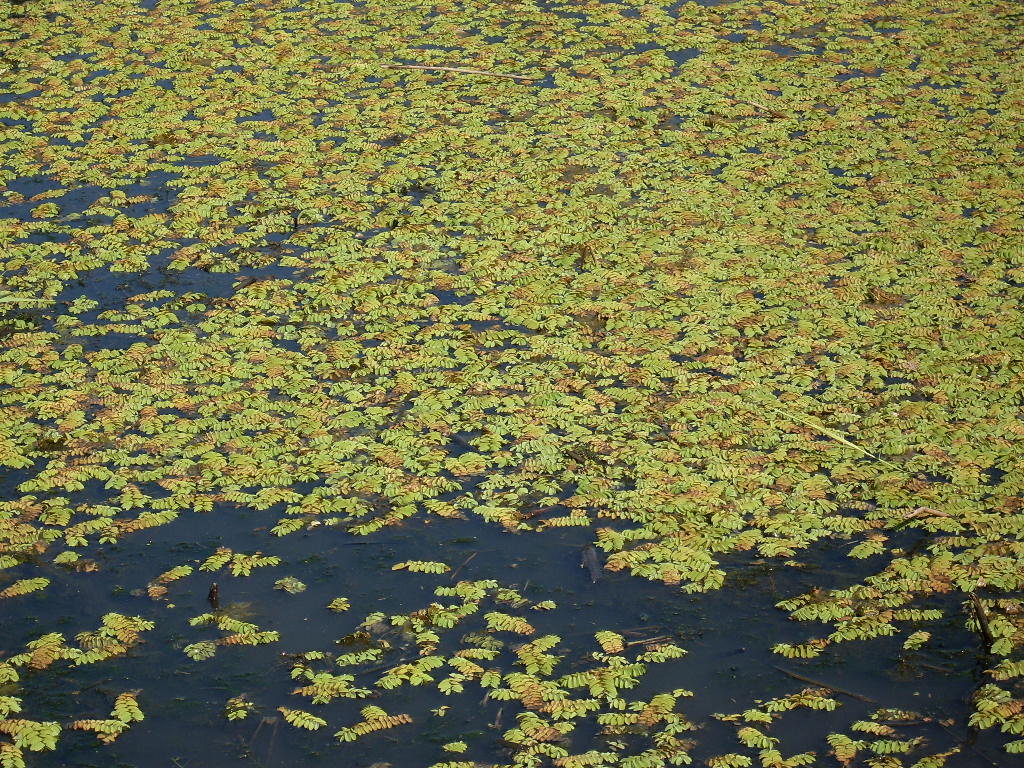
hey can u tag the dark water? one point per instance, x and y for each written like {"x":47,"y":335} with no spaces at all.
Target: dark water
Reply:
{"x":725,"y":633}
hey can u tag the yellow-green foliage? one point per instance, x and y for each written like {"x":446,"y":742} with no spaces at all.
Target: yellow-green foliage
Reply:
{"x":611,"y":642}
{"x":552,"y":706}
{"x":708,"y":280}
{"x":505,"y":623}
{"x":238,"y":563}
{"x":126,"y":711}
{"x":301,"y":719}
{"x":238,"y":708}
{"x":290,"y":584}
{"x":419,"y":566}
{"x":237,"y":633}
{"x":24,"y":587}
{"x":158,"y":587}
{"x":339,"y":604}
{"x":374,"y":719}
{"x":31,"y":735}
{"x":115,"y":636}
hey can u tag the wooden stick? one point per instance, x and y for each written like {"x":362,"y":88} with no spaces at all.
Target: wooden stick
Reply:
{"x":757,"y":105}
{"x":834,"y":689}
{"x":919,"y":513}
{"x":906,"y":723}
{"x":926,"y":512}
{"x":640,"y":630}
{"x":658,"y":639}
{"x":536,"y":512}
{"x":929,"y":511}
{"x":462,"y":70}
{"x":979,"y":612}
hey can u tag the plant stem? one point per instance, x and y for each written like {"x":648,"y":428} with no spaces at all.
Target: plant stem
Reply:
{"x":462,"y":70}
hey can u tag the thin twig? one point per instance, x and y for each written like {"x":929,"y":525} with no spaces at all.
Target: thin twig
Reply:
{"x":929,"y":511}
{"x":979,"y":612}
{"x":464,"y":563}
{"x":90,"y":686}
{"x":757,"y":105}
{"x":834,"y":434}
{"x":905,"y":723}
{"x":462,"y":70}
{"x":387,"y":666}
{"x":640,"y":630}
{"x":834,"y":689}
{"x":536,"y":512}
{"x":648,"y":640}
{"x":919,"y":513}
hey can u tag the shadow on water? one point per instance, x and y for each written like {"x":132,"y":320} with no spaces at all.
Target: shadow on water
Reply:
{"x":725,"y":634}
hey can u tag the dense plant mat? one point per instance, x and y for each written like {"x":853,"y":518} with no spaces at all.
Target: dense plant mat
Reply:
{"x":715,"y":284}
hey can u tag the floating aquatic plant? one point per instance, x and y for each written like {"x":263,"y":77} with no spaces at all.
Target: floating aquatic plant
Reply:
{"x":705,"y":281}
{"x":126,"y":711}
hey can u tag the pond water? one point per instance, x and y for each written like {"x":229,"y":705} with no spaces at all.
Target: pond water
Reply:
{"x":724,"y":634}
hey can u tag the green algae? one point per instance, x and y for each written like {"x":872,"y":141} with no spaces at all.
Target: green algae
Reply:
{"x":726,"y":278}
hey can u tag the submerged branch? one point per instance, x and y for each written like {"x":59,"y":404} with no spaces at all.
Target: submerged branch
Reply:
{"x":982,"y":616}
{"x":833,"y":688}
{"x":464,"y":564}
